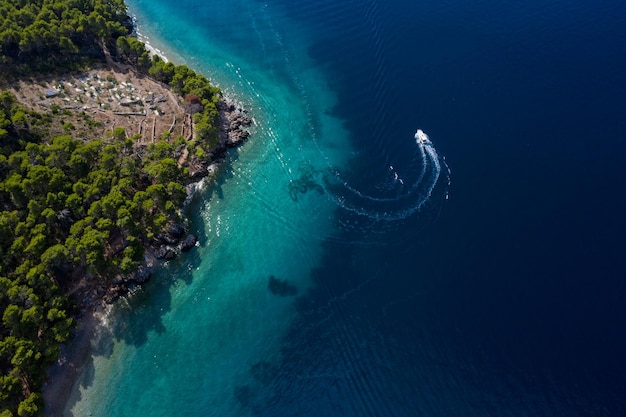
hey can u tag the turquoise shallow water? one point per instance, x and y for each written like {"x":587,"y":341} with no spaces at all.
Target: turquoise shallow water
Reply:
{"x":187,"y":341}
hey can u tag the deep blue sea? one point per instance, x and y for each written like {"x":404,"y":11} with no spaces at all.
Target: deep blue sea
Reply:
{"x":346,"y":269}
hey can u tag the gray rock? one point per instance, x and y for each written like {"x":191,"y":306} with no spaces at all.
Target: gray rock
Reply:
{"x":166,"y":238}
{"x":142,"y":274}
{"x":169,"y":254}
{"x":188,"y":242}
{"x":164,"y":252}
{"x":176,"y":230}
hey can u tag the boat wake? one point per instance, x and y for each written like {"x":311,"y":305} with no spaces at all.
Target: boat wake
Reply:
{"x":399,"y":196}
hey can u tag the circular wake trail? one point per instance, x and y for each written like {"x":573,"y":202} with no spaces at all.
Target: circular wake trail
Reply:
{"x":403,"y":200}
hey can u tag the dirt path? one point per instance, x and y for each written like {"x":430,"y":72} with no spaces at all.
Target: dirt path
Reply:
{"x":96,"y":100}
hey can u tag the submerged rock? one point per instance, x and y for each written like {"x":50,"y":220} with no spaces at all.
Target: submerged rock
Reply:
{"x":309,"y":180}
{"x":281,"y":287}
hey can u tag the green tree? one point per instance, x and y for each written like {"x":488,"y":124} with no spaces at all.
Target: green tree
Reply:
{"x":12,"y":318}
{"x":164,"y":170}
{"x":31,"y":406}
{"x":55,"y":256}
{"x":10,"y":389}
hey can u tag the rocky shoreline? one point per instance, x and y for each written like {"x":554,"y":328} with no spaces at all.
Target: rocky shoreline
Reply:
{"x":95,"y":301}
{"x":234,"y":122}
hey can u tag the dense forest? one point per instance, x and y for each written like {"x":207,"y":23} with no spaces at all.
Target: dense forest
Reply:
{"x":70,"y":207}
{"x":48,"y":34}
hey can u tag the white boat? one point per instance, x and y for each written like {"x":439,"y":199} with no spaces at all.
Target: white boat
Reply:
{"x":421,"y":137}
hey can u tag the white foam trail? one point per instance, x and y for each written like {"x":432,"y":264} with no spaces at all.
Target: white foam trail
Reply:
{"x":413,"y":187}
{"x":404,"y":204}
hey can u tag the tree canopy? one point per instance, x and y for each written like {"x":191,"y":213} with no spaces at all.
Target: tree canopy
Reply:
{"x":68,"y":206}
{"x":72,"y":207}
{"x":57,"y":31}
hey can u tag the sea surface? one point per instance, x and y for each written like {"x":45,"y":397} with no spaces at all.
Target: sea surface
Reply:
{"x":346,"y":268}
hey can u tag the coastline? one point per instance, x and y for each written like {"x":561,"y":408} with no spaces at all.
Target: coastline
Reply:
{"x":251,"y":208}
{"x":65,"y":373}
{"x":221,"y":123}
{"x":96,"y":303}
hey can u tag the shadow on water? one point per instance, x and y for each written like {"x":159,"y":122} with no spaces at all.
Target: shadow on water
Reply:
{"x":134,"y":317}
